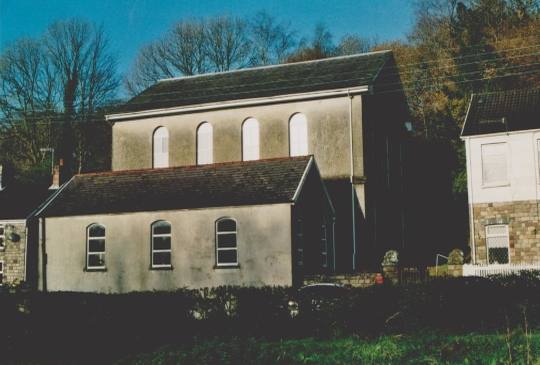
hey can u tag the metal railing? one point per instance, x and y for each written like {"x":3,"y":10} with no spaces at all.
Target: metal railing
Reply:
{"x":497,"y":269}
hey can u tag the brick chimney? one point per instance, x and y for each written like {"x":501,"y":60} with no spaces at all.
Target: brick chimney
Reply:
{"x":55,"y":178}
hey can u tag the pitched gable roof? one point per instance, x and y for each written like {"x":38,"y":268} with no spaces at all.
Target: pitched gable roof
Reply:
{"x":261,"y":82}
{"x":503,"y":112}
{"x":227,"y":184}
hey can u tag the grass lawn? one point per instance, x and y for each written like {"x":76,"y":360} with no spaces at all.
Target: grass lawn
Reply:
{"x":424,"y":348}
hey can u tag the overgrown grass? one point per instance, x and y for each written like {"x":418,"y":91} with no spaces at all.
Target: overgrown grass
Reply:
{"x":429,"y":348}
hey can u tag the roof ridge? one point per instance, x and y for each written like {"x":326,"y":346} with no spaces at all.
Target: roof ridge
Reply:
{"x":185,"y":167}
{"x":328,"y":59}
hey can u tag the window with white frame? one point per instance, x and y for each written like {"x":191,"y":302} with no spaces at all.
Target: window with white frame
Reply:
{"x":161,"y":244}
{"x":2,"y":236}
{"x":324,"y":242}
{"x":226,"y":245}
{"x":161,"y":147}
{"x":497,"y":244}
{"x":538,"y":154}
{"x":298,"y":135}
{"x":205,"y":148}
{"x":494,"y":164}
{"x":250,"y":140}
{"x":1,"y":272}
{"x":95,"y":258}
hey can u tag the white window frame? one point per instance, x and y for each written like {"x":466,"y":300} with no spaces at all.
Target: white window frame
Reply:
{"x":324,"y":241}
{"x":298,"y":135}
{"x":99,"y":253}
{"x":205,"y":141}
{"x":161,"y":250}
{"x":490,"y":155}
{"x":250,"y":139}
{"x":219,"y":249}
{"x":161,"y":148}
{"x":490,"y":235}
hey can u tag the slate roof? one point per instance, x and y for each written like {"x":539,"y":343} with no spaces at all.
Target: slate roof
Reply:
{"x":17,"y":202}
{"x":261,"y":82}
{"x":187,"y":187}
{"x":502,"y":112}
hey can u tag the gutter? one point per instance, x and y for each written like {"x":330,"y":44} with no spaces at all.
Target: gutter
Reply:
{"x":353,"y":218}
{"x":237,"y":104}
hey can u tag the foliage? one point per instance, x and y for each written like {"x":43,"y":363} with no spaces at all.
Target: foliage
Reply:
{"x":443,"y":319}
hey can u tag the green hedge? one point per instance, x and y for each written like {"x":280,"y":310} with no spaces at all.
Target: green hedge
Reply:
{"x":97,"y":328}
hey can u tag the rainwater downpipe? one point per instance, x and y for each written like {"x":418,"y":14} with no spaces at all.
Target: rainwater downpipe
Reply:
{"x":352,"y":181}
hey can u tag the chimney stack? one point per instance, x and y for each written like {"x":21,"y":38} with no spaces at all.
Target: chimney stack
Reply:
{"x":55,"y":178}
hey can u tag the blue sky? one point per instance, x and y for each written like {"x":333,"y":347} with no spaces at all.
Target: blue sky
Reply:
{"x":131,"y":23}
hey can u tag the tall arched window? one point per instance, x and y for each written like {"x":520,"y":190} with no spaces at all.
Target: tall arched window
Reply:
{"x":250,"y":140}
{"x":161,"y":244}
{"x":298,"y":135}
{"x":226,"y":245}
{"x":95,"y":247}
{"x":205,"y":150}
{"x":161,"y":147}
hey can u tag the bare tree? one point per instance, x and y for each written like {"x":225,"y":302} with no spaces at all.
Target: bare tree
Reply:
{"x":29,"y":102}
{"x":226,"y":43}
{"x":271,"y":43}
{"x":320,"y":46}
{"x":354,"y":44}
{"x":79,"y":52}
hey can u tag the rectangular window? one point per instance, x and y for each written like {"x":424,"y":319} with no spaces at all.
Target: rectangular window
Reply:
{"x":494,"y":164}
{"x":497,"y":243}
{"x":1,"y":273}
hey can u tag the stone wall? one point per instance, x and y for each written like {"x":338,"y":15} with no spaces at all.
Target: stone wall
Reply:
{"x":522,"y":219}
{"x":360,"y":280}
{"x":12,"y":254}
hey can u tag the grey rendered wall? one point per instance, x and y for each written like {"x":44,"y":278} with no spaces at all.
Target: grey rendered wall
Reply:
{"x":328,"y":135}
{"x":264,"y":251}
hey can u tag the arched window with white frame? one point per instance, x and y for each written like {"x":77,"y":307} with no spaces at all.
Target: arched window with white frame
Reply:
{"x":250,"y":140}
{"x":205,"y":149}
{"x":226,"y":243}
{"x":161,"y":244}
{"x":95,"y":247}
{"x":161,"y":148}
{"x":298,"y":140}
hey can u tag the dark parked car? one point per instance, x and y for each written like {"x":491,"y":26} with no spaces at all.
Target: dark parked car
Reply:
{"x":318,"y":297}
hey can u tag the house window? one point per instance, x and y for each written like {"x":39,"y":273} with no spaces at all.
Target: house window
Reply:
{"x":226,"y":246}
{"x":298,"y":135}
{"x":1,"y":272}
{"x":494,"y":164}
{"x":250,"y":140}
{"x":205,"y":150}
{"x":497,"y":243}
{"x":324,"y":242}
{"x":161,"y":244}
{"x":161,"y":147}
{"x":2,"y":236}
{"x":96,"y":247}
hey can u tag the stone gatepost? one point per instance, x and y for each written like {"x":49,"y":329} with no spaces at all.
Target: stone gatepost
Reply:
{"x":390,"y":267}
{"x":455,"y":263}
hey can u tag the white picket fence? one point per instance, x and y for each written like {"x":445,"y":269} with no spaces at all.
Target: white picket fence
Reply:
{"x":501,"y":269}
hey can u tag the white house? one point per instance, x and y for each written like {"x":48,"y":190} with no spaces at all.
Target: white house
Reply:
{"x":502,"y":140}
